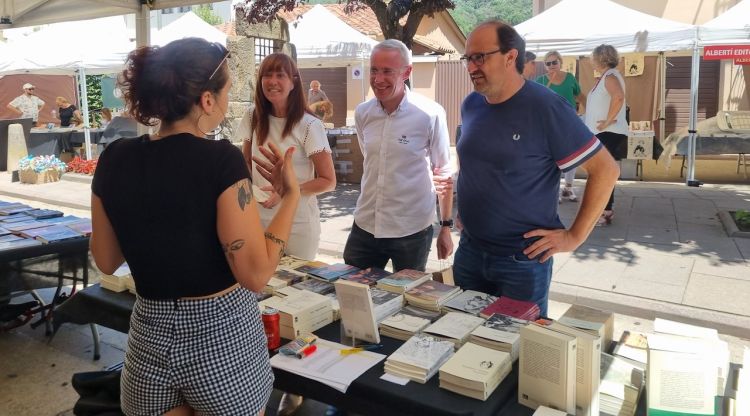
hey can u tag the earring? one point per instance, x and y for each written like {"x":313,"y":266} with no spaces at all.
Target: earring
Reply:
{"x":213,"y":132}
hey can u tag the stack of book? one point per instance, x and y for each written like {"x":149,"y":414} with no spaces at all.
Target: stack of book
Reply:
{"x":117,"y":281}
{"x":475,"y":371}
{"x":407,"y":322}
{"x":403,"y":280}
{"x":300,"y":313}
{"x":369,"y":276}
{"x":291,"y":262}
{"x":500,"y":332}
{"x":41,"y":214}
{"x":331,"y":272}
{"x":13,"y":208}
{"x":528,"y":311}
{"x":307,"y":266}
{"x":547,"y":369}
{"x":419,"y":358}
{"x":317,"y":286}
{"x":455,"y":327}
{"x":620,"y":386}
{"x":431,"y":295}
{"x":548,"y":411}
{"x":283,"y":278}
{"x":385,"y":303}
{"x":597,"y":321}
{"x":469,"y":301}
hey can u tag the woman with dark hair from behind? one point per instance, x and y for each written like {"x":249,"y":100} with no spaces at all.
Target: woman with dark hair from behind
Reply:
{"x":605,"y":111}
{"x":179,"y":209}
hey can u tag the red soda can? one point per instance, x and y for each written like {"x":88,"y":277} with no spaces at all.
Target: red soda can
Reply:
{"x":271,"y":327}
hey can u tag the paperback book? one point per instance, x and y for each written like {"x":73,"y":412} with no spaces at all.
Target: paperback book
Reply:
{"x":454,"y":327}
{"x":500,"y":332}
{"x":403,"y":280}
{"x":469,"y":301}
{"x":317,"y":286}
{"x":419,"y":358}
{"x":475,"y":371}
{"x":431,"y":294}
{"x":520,"y":309}
{"x":41,"y":214}
{"x":330,"y":273}
{"x":590,"y":319}
{"x":368,"y":276}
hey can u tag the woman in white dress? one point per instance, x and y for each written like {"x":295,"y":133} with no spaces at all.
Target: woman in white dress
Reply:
{"x":281,"y":116}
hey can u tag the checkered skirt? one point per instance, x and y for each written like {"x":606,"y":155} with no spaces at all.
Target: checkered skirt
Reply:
{"x":209,"y":354}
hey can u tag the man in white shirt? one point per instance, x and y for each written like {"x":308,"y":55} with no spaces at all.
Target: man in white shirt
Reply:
{"x":405,"y":143}
{"x":27,"y":105}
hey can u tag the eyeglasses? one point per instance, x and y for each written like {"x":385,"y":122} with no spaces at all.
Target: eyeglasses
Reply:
{"x":476,"y":58}
{"x":226,"y":54}
{"x":30,"y":89}
{"x":550,"y":63}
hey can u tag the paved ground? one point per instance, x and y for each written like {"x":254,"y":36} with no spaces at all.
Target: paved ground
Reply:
{"x":666,"y":255}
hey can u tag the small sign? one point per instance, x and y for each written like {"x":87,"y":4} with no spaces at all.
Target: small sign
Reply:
{"x":640,"y":146}
{"x":634,"y":64}
{"x":742,"y":61}
{"x":357,"y":72}
{"x":717,"y":52}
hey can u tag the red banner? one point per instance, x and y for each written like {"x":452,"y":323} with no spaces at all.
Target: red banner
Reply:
{"x":726,"y":52}
{"x":742,"y":61}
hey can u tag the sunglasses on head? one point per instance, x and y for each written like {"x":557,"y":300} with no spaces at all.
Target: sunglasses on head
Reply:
{"x":550,"y":63}
{"x":226,"y":55}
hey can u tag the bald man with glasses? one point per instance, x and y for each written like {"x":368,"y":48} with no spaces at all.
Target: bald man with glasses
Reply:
{"x":517,"y":138}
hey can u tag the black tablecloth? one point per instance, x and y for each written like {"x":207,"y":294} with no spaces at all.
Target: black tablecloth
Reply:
{"x":53,"y":142}
{"x":96,"y":305}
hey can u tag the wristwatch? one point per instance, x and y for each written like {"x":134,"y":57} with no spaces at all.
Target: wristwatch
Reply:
{"x":446,"y":223}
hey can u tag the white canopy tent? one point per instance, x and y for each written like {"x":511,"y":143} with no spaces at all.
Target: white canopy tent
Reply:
{"x":188,"y":25}
{"x":321,"y":38}
{"x":730,"y":28}
{"x":627,"y":29}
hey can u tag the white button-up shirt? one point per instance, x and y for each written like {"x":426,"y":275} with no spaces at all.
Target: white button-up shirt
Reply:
{"x":400,"y":151}
{"x":28,"y":105}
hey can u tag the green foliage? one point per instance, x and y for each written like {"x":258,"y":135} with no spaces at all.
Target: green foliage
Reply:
{"x":742,"y":218}
{"x":94,"y":93}
{"x":206,"y":13}
{"x":469,"y":13}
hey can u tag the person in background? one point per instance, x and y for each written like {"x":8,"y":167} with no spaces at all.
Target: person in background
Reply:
{"x":280,"y":116}
{"x":564,"y":84}
{"x":605,"y":112}
{"x":529,"y":66}
{"x":405,"y":144}
{"x":106,"y":118}
{"x":179,"y":209}
{"x":511,"y":155}
{"x":67,"y":112}
{"x":315,"y":94}
{"x":27,"y":105}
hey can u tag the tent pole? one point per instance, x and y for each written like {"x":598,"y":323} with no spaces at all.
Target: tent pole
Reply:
{"x":85,"y":110}
{"x":692,"y":132}
{"x":143,"y":38}
{"x":662,"y":95}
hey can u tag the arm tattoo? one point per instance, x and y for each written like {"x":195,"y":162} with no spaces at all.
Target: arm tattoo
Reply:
{"x":278,"y":241}
{"x":244,"y":193}
{"x":230,"y":248}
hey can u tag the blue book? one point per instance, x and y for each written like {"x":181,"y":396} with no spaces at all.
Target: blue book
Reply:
{"x":3,"y":231}
{"x":15,"y":218}
{"x":24,"y":242}
{"x":14,"y":209}
{"x":63,"y":220}
{"x":10,"y":237}
{"x":17,"y":227}
{"x":332,"y":272}
{"x":41,"y":214}
{"x":54,"y":237}
{"x":368,"y":276}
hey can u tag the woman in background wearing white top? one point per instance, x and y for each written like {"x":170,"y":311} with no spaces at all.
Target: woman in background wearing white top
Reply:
{"x":605,"y":111}
{"x":281,"y":116}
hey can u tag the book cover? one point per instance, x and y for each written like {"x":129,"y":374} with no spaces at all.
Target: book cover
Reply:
{"x":34,"y":232}
{"x":66,"y":219}
{"x":431,"y":292}
{"x":24,"y":242}
{"x":17,"y":227}
{"x":500,"y":331}
{"x":332,"y":272}
{"x":317,"y":286}
{"x":41,"y":214}
{"x":404,"y":279}
{"x":291,"y":277}
{"x":620,"y":386}
{"x":470,"y":301}
{"x":15,"y":218}
{"x":292,"y":262}
{"x":547,"y":369}
{"x":634,"y":347}
{"x":358,"y":316}
{"x":404,"y":322}
{"x":82,"y":227}
{"x":368,"y":276}
{"x":476,"y":368}
{"x":385,"y":303}
{"x":455,"y":326}
{"x":14,"y":209}
{"x":310,"y":265}
{"x":412,"y":310}
{"x":512,"y":307}
{"x":54,"y":237}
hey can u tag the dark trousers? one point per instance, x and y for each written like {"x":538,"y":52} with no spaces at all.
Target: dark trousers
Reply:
{"x":617,"y":145}
{"x":363,"y":250}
